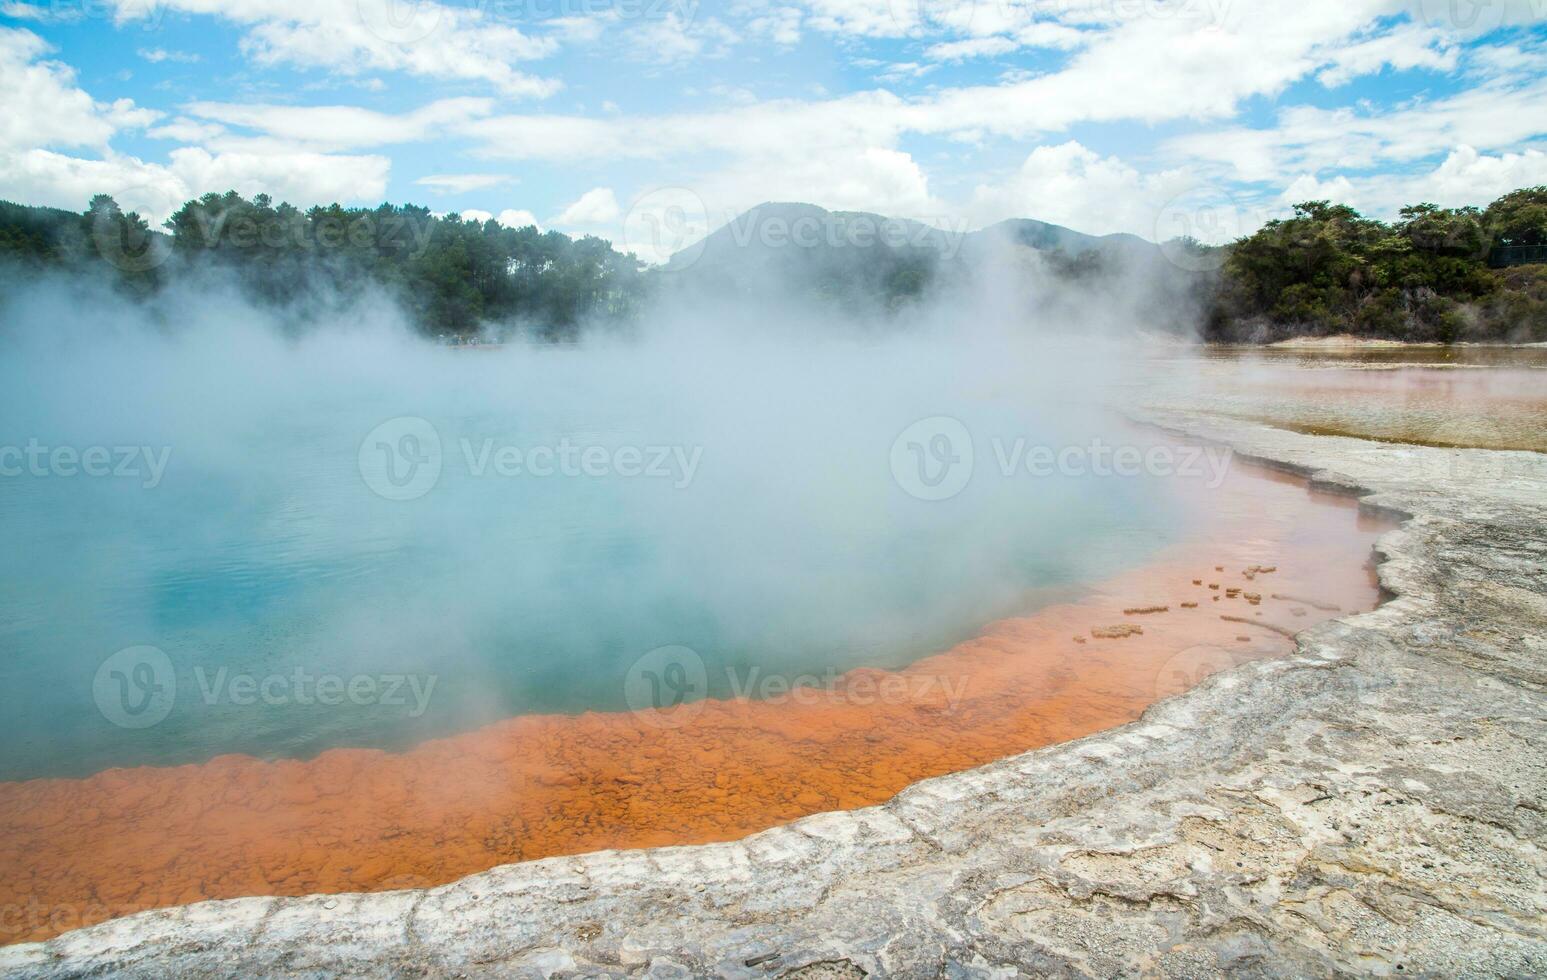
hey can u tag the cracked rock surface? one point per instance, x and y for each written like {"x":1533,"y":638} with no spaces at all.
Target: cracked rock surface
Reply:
{"x":1372,"y":805}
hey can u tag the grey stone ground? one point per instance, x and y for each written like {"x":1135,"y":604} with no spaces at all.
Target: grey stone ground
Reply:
{"x":1373,"y":805}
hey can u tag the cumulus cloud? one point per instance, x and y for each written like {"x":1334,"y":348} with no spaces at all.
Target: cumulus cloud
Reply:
{"x":156,"y":190}
{"x":517,"y":218}
{"x":1072,"y":185}
{"x":352,"y":36}
{"x":1339,"y":190}
{"x":871,"y":178}
{"x":595,"y":207}
{"x":1464,"y":177}
{"x":301,"y":178}
{"x":1469,"y":177}
{"x":509,"y":218}
{"x":48,"y":112}
{"x":45,"y":107}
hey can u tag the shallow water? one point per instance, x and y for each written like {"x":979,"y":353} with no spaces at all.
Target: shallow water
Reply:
{"x":1466,"y":397}
{"x":1405,"y":355}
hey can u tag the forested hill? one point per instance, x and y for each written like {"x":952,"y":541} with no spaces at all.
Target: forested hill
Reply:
{"x":1436,"y":274}
{"x":453,"y":275}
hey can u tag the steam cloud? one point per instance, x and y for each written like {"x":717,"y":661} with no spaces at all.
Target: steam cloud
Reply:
{"x":792,"y":545}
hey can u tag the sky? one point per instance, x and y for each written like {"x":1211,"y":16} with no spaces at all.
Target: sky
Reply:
{"x":649,"y":122}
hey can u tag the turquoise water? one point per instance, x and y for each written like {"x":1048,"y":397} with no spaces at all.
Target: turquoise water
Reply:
{"x":264,"y":549}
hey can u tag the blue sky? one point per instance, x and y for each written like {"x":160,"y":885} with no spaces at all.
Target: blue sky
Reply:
{"x":626,"y":117}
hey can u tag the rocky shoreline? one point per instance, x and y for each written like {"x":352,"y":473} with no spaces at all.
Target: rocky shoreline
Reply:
{"x":1372,"y":805}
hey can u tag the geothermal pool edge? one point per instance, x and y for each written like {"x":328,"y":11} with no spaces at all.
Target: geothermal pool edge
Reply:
{"x":1370,"y":805}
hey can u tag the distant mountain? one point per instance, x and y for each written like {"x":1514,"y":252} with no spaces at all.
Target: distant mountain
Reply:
{"x":868,"y":263}
{"x":774,"y":229}
{"x":1045,"y":237}
{"x":857,"y":260}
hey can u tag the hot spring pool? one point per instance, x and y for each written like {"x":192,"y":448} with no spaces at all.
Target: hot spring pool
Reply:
{"x":359,"y":544}
{"x":283,"y":586}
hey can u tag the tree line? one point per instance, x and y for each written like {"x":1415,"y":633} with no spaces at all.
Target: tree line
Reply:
{"x":1435,"y":274}
{"x":454,"y":276}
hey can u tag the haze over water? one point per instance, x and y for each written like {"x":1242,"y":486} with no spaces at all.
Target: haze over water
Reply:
{"x":755,"y":517}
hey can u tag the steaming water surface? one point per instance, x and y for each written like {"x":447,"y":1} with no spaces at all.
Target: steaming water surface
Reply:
{"x":768,"y":532}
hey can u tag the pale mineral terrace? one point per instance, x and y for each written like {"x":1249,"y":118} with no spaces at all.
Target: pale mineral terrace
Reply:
{"x":1372,"y":805}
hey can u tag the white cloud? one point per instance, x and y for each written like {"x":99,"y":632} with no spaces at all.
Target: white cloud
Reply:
{"x":1150,"y":70}
{"x":577,"y":29}
{"x":301,"y":178}
{"x":1309,"y":140}
{"x":1339,"y":190}
{"x":28,"y":11}
{"x":672,"y":39}
{"x":45,"y":177}
{"x":462,"y":183}
{"x":1404,"y":48}
{"x":56,"y":180}
{"x":972,"y":47}
{"x":595,"y":207}
{"x":509,"y":218}
{"x":780,"y":25}
{"x":157,"y":55}
{"x":861,"y":179}
{"x":1037,"y":35}
{"x":1074,"y":186}
{"x":1464,"y":177}
{"x":352,"y":36}
{"x":903,"y":70}
{"x":45,"y":108}
{"x":1469,"y":177}
{"x":514,"y":218}
{"x":342,"y":127}
{"x":46,"y":112}
{"x":866,"y":18}
{"x":185,"y":130}
{"x":781,"y":129}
